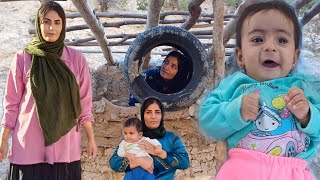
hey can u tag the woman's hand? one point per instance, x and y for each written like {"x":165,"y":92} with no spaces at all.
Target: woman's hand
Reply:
{"x":160,"y":152}
{"x":150,"y":149}
{"x":3,"y":150}
{"x":144,"y":162}
{"x":92,"y":149}
{"x":4,"y":136}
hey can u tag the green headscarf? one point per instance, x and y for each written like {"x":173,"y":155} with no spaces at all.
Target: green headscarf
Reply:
{"x":54,"y":87}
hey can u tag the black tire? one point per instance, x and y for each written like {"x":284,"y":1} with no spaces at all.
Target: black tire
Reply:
{"x":188,"y":44}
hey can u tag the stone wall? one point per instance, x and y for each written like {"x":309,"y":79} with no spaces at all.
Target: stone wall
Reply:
{"x":108,"y":86}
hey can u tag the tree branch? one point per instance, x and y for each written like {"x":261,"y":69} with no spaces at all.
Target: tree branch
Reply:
{"x":299,"y":4}
{"x":95,"y":26}
{"x":195,"y":11}
{"x":230,"y":28}
{"x":310,"y":13}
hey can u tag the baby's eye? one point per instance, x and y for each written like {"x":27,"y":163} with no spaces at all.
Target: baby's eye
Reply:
{"x":282,"y":41}
{"x":257,"y":40}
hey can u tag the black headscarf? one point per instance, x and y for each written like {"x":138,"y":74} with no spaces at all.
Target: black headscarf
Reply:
{"x":180,"y":80}
{"x":152,"y":133}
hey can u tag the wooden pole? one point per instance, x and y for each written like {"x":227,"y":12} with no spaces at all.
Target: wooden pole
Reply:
{"x":95,"y":26}
{"x":154,"y":8}
{"x":219,"y":55}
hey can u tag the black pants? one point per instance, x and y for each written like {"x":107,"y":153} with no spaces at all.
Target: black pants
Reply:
{"x":44,"y":171}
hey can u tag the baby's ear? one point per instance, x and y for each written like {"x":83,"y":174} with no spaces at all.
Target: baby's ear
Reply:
{"x":140,"y":134}
{"x":239,"y":58}
{"x":296,"y":58}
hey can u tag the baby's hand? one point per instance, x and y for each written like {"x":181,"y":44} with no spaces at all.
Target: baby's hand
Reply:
{"x":250,"y":107}
{"x":130,"y":156}
{"x":298,"y":104}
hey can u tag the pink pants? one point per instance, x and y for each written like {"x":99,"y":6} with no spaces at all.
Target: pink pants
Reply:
{"x":252,"y":165}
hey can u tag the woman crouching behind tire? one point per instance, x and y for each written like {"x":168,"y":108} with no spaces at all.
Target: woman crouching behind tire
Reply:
{"x":171,"y":77}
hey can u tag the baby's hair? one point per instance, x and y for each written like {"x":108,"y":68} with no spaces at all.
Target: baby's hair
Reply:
{"x":133,"y":122}
{"x":286,"y":9}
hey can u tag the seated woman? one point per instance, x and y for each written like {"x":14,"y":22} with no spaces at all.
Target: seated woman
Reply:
{"x":166,"y":163}
{"x":171,"y":77}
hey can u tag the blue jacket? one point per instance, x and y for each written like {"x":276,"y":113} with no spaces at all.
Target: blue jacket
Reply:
{"x":275,"y":131}
{"x":164,"y":169}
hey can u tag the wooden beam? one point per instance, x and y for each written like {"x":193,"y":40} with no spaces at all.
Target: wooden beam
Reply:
{"x":131,"y":15}
{"x":201,"y":22}
{"x":163,"y":15}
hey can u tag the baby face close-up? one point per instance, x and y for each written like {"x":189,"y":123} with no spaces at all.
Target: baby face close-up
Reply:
{"x":268,"y":46}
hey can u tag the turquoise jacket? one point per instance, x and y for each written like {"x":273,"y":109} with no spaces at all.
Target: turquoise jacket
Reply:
{"x":177,"y":158}
{"x":275,"y":131}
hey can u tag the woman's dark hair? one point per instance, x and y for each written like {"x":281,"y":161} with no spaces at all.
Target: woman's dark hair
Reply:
{"x":133,"y":122}
{"x":51,"y":6}
{"x":287,"y":10}
{"x":177,"y":55}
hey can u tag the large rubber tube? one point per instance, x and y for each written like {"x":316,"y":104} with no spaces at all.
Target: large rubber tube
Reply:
{"x":184,"y":41}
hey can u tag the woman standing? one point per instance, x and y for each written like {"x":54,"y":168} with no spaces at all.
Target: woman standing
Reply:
{"x":166,"y":163}
{"x":47,"y":97}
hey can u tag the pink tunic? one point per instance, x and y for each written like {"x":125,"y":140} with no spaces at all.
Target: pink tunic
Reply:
{"x":21,"y":117}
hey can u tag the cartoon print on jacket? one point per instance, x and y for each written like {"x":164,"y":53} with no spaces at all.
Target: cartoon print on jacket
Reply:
{"x":267,"y":120}
{"x":275,"y":131}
